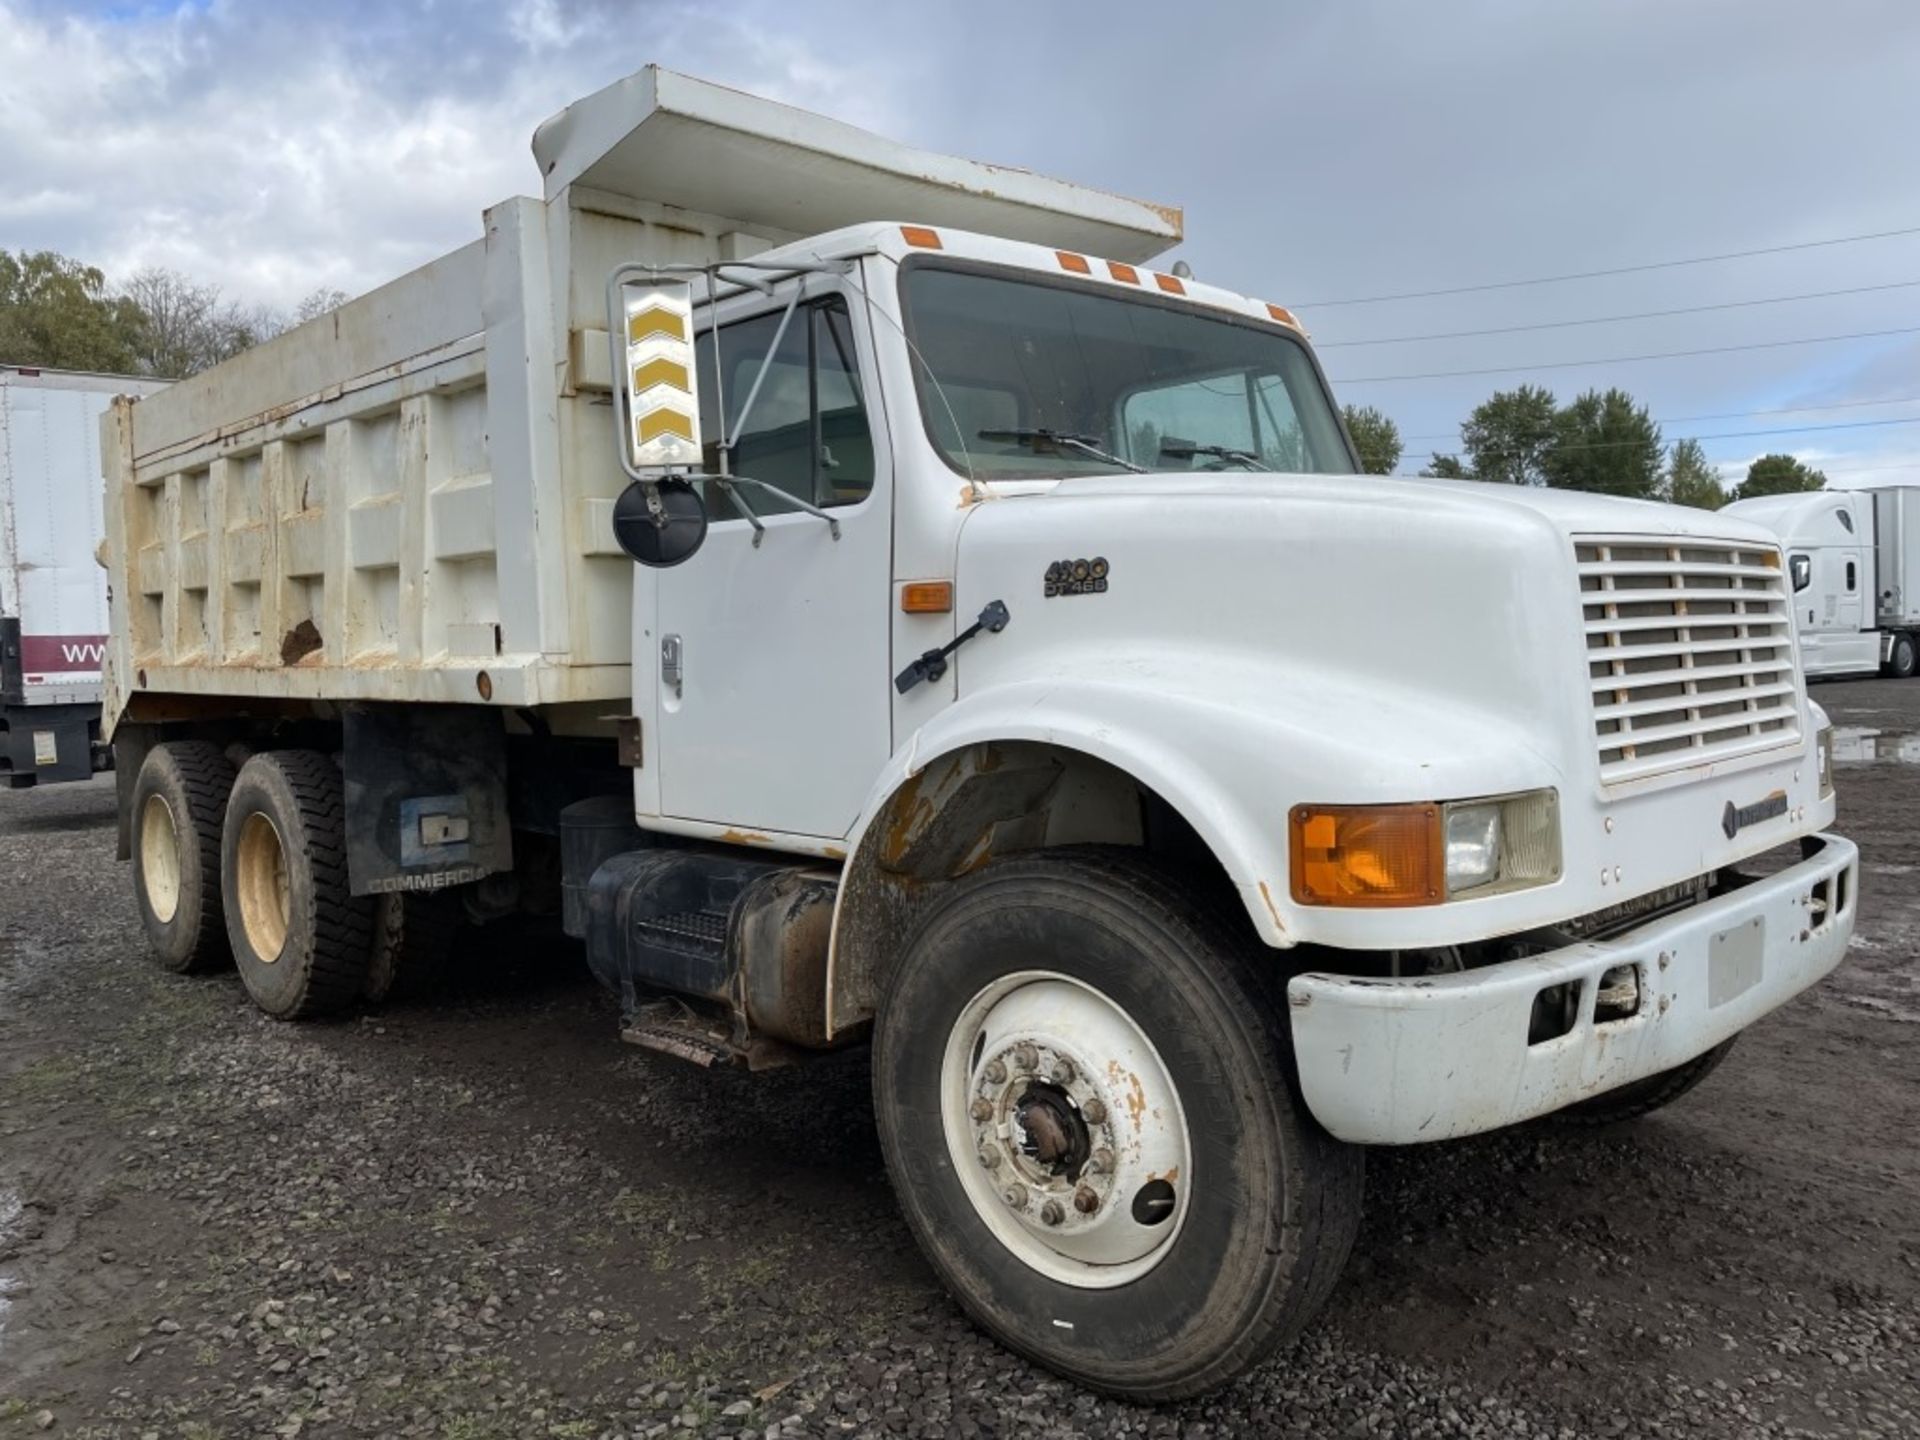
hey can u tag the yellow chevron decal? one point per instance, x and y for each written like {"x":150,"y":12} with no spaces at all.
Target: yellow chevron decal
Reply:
{"x":661,"y":371}
{"x":656,"y":423}
{"x":655,"y":320}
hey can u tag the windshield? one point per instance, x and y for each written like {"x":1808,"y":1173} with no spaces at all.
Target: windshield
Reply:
{"x":1037,"y":378}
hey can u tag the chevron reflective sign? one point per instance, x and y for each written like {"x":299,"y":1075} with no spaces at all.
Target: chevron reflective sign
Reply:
{"x":663,"y":404}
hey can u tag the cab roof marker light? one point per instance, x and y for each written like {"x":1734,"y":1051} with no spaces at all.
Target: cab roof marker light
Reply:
{"x":1125,"y":274}
{"x":1070,"y":261}
{"x":1283,"y":315}
{"x":1169,"y":283}
{"x":921,"y":237}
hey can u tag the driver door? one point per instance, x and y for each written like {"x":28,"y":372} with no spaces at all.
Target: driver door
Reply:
{"x":774,"y":683}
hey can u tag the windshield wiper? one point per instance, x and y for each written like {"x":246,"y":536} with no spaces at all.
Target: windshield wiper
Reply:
{"x":1052,"y":442}
{"x":1186,"y":449}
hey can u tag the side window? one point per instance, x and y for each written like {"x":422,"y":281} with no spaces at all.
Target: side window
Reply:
{"x":1801,"y":568}
{"x":807,"y":431}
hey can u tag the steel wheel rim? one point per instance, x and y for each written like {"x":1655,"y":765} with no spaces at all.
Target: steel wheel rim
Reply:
{"x":1106,"y":1209}
{"x":260,"y":876}
{"x":160,"y":858}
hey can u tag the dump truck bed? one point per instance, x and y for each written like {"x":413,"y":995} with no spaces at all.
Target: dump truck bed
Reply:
{"x":410,"y":498}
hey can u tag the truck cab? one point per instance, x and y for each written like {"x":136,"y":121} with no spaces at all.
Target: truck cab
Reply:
{"x":867,"y":597}
{"x":1829,"y":541}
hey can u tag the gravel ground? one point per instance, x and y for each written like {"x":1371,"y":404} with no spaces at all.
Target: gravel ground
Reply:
{"x":486,"y":1218}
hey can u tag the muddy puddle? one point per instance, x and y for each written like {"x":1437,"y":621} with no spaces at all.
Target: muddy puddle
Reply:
{"x":1864,"y":745}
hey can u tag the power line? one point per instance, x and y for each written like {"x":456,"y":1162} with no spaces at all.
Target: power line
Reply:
{"x":1615,"y":270}
{"x":1731,"y":414}
{"x":1610,"y":319}
{"x":1627,"y":359}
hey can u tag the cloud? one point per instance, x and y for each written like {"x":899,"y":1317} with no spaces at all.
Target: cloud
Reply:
{"x":1321,"y":151}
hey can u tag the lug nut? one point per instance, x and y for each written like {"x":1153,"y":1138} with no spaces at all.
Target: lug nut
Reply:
{"x":995,"y":1072}
{"x":1015,"y":1195}
{"x":1062,"y":1072}
{"x":981,"y":1110}
{"x":1026,"y":1057}
{"x":1095,"y":1112}
{"x":1085,"y":1201}
{"x":990,"y":1159}
{"x":1051,"y":1213}
{"x":1100,"y":1162}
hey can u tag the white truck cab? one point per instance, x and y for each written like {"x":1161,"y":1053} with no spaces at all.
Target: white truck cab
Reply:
{"x":1853,"y":558}
{"x":942,"y":629}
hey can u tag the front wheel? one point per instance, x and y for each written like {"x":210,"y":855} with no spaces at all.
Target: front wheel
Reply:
{"x":1643,"y":1097}
{"x":1083,"y":1086}
{"x":1903,"y":660}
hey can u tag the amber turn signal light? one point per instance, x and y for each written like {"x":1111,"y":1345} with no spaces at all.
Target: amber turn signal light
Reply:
{"x":1367,"y":855}
{"x":927,"y":597}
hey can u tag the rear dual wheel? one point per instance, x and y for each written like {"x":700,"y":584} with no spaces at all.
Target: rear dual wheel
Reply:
{"x":301,"y":940}
{"x":1085,"y":1096}
{"x":179,"y":799}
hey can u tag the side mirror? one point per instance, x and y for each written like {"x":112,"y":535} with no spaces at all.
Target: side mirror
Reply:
{"x":660,"y":522}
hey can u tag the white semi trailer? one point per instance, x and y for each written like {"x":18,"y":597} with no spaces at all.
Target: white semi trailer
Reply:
{"x":53,"y":594}
{"x":1853,"y":558}
{"x":866,"y":600}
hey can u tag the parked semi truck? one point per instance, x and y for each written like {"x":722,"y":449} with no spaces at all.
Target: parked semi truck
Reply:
{"x":867,"y":601}
{"x":1853,"y":560}
{"x":53,"y":595}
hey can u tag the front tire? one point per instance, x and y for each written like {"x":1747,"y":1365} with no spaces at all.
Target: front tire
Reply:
{"x":179,"y":800}
{"x":1904,"y":659}
{"x":301,"y":940}
{"x":1084,"y":1090}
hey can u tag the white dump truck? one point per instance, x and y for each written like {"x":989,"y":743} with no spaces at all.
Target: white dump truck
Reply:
{"x":866,"y":601}
{"x":1853,"y":561}
{"x":53,"y":596}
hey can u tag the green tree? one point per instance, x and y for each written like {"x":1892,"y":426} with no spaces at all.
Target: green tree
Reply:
{"x":1447,"y":467}
{"x":56,"y":312}
{"x":1691,"y":480}
{"x":1375,"y":436}
{"x":1508,"y":437}
{"x":1778,"y":475}
{"x":1607,"y":444}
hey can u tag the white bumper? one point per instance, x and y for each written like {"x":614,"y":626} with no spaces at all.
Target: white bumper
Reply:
{"x":1394,"y":1062}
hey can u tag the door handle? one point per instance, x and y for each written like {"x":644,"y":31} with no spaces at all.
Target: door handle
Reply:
{"x":672,"y":666}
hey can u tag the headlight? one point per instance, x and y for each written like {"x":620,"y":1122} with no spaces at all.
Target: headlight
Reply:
{"x":1823,"y":759}
{"x":1423,"y":854}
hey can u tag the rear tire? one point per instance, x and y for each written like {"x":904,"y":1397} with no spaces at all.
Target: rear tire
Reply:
{"x":1643,"y":1097}
{"x":179,"y":800}
{"x":412,"y":937}
{"x":1904,"y":659}
{"x":302,"y":942}
{"x":1080,"y":1001}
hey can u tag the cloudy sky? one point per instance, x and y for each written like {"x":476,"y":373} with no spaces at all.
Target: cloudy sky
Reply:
{"x":1323,"y":151}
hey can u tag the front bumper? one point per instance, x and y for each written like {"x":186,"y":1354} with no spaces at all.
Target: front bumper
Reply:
{"x":1396,"y":1062}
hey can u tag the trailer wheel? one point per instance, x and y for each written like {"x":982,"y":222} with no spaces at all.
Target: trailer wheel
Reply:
{"x":412,"y":936}
{"x":1085,"y":1094}
{"x":1643,"y":1097}
{"x":1903,"y":661}
{"x":302,"y":941}
{"x":179,"y":797}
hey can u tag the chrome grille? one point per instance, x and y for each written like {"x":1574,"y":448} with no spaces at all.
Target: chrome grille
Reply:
{"x":1689,"y":652}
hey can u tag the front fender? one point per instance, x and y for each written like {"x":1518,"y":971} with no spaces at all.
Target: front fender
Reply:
{"x":1232,"y":753}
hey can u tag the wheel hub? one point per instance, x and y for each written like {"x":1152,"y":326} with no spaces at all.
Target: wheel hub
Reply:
{"x":1066,"y":1129}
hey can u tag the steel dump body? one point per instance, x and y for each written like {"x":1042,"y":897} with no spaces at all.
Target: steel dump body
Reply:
{"x":410,"y":498}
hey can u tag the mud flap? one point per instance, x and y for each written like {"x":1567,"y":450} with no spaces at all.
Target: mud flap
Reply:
{"x":426,"y":797}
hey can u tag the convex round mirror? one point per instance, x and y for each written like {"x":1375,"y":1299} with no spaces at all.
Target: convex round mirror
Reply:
{"x":662,"y":538}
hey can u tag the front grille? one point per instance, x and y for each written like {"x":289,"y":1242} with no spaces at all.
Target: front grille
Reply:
{"x":1689,"y":652}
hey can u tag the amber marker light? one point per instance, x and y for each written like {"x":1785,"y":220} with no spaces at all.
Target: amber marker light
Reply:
{"x":927,"y":597}
{"x":921,"y":237}
{"x":1169,"y":283}
{"x":1283,"y":315}
{"x":1364,"y":856}
{"x":1125,"y":274}
{"x":1070,"y":261}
